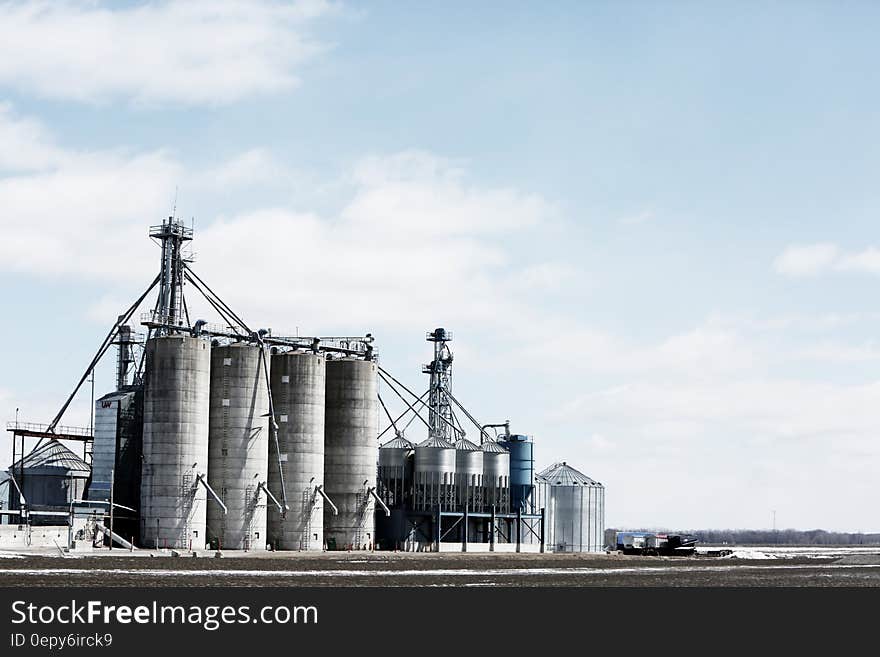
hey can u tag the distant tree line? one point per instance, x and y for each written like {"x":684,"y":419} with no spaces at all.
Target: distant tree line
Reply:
{"x":762,"y":536}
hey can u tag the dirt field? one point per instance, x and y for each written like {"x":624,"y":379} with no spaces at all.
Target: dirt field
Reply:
{"x":408,"y":569}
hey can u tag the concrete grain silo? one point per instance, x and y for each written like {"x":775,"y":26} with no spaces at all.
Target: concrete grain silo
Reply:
{"x":350,"y":452}
{"x":175,"y":442}
{"x":238,"y":447}
{"x":297,"y":382}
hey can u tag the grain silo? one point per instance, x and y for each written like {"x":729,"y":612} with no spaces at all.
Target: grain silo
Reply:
{"x":496,"y":477}
{"x":350,"y":452}
{"x":395,"y":471}
{"x":434,"y":475}
{"x":51,"y":478}
{"x":297,"y":383}
{"x":238,"y":447}
{"x":575,"y":508}
{"x":469,"y":474}
{"x":175,"y":442}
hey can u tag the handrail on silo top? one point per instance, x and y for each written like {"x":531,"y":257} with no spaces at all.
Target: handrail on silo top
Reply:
{"x":269,"y":495}
{"x":372,"y":491}
{"x":201,"y":479}
{"x":320,"y":489}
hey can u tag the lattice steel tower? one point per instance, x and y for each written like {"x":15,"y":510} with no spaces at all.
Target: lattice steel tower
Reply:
{"x":170,"y":306}
{"x":440,"y":419}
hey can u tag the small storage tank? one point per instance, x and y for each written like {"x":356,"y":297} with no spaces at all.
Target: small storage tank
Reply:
{"x":434,"y":474}
{"x":575,"y":509}
{"x":297,"y":381}
{"x":395,"y":471}
{"x":53,"y":477}
{"x":469,"y":474}
{"x":238,"y":447}
{"x":496,"y":477}
{"x":175,"y":442}
{"x":522,"y":471}
{"x":350,"y":452}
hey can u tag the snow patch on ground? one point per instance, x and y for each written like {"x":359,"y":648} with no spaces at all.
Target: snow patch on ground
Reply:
{"x":786,"y":552}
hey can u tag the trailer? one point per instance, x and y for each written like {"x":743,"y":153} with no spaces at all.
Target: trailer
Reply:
{"x":656,"y":544}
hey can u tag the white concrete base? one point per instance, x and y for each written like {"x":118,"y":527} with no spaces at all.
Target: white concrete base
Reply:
{"x":23,"y":536}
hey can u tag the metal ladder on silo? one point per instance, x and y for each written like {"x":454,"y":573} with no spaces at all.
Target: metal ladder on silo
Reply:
{"x":252,"y":498}
{"x":363,"y":503}
{"x":186,"y":499}
{"x":308,"y":505}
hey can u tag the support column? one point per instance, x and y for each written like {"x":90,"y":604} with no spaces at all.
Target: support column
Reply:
{"x":464,"y":531}
{"x":437,"y":529}
{"x":492,"y":530}
{"x":518,"y":528}
{"x":542,"y":529}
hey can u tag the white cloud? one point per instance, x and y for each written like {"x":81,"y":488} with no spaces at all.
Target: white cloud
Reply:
{"x":724,"y":408}
{"x":413,"y":232}
{"x":418,"y":193}
{"x":78,"y":212}
{"x":745,"y":446}
{"x":755,"y":409}
{"x":255,"y":167}
{"x":27,"y":146}
{"x":867,"y":261}
{"x":806,"y":260}
{"x":837,"y":352}
{"x":814,"y":259}
{"x":187,"y":52}
{"x":823,"y":322}
{"x":697,"y":353}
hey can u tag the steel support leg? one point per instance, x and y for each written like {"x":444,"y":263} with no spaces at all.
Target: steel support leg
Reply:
{"x":492,"y":530}
{"x":518,"y":528}
{"x":464,"y":530}
{"x":542,"y":529}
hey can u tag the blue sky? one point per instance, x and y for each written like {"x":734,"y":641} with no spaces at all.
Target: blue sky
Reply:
{"x":650,"y":226}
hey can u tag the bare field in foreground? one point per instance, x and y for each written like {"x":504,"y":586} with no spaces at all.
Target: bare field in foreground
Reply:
{"x":272,"y":569}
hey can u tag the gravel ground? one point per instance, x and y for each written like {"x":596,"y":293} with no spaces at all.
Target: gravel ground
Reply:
{"x":268,"y":569}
